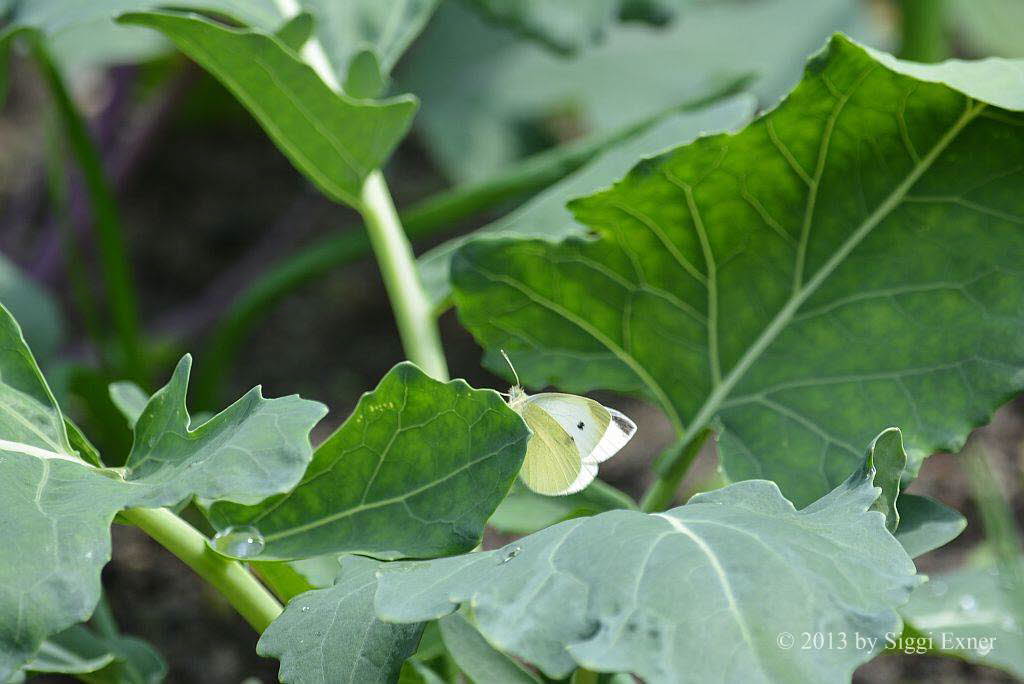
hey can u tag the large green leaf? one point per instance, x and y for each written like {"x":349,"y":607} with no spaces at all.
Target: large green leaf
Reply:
{"x":545,"y":216}
{"x":502,"y":97}
{"x":332,"y":635}
{"x":850,"y":260}
{"x":335,"y":140}
{"x":568,"y":25}
{"x":969,"y":613}
{"x":56,"y":508}
{"x":55,"y":511}
{"x":415,"y":471}
{"x":700,"y":593}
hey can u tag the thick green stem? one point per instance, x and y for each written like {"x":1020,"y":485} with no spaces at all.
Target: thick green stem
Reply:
{"x":250,"y":598}
{"x":417,"y":324}
{"x":923,"y":31}
{"x":663,"y":491}
{"x":112,"y":249}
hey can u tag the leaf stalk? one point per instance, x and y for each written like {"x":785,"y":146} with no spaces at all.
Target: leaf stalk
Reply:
{"x":417,"y":324}
{"x":250,"y":598}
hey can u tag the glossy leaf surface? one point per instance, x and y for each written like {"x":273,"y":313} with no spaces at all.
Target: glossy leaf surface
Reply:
{"x":546,"y":216}
{"x":848,"y":261}
{"x":415,"y":471}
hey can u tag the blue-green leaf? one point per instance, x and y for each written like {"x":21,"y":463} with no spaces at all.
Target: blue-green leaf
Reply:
{"x":254,"y":448}
{"x":57,"y":507}
{"x":926,"y":524}
{"x":699,"y":593}
{"x":332,"y":635}
{"x":969,"y":613}
{"x":480,"y":661}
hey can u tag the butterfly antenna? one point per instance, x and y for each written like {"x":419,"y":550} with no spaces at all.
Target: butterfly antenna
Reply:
{"x":509,"y":362}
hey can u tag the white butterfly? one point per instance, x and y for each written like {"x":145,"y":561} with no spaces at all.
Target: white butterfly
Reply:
{"x":571,"y":436}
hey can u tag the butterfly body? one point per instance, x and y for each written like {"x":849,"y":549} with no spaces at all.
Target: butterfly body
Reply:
{"x":571,"y":436}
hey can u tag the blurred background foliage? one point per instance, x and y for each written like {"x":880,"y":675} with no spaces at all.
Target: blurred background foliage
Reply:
{"x":234,"y":257}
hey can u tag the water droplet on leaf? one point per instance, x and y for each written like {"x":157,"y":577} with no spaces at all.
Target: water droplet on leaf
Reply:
{"x":305,"y":609}
{"x":968,"y":603}
{"x":239,"y":542}
{"x":512,"y":554}
{"x":938,"y":587}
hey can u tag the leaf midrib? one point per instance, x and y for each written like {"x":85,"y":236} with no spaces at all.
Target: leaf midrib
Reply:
{"x":785,"y":315}
{"x":405,"y":496}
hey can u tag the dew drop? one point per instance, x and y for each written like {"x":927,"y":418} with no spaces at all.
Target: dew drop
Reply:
{"x":512,"y":554}
{"x":239,"y":542}
{"x":305,"y":609}
{"x":1009,"y":624}
{"x":968,"y":603}
{"x":938,"y":587}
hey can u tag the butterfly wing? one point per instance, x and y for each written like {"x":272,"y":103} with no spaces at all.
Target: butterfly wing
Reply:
{"x":620,"y":430}
{"x":599,"y":431}
{"x":553,"y":463}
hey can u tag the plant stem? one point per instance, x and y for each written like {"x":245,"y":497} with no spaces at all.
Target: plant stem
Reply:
{"x":417,"y":324}
{"x":250,"y":598}
{"x":923,"y":31}
{"x":661,"y":494}
{"x":113,"y":252}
